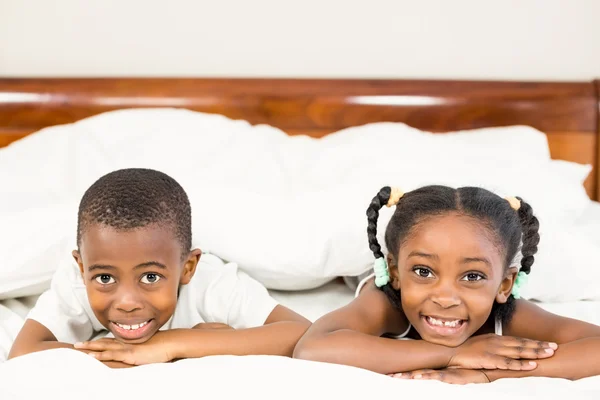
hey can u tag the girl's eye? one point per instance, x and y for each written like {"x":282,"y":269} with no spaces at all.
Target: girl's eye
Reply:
{"x":423,"y":272}
{"x":473,"y":277}
{"x":150,"y":278}
{"x":105,"y":279}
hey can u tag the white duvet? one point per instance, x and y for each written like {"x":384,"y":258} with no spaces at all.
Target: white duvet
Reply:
{"x":67,"y":374}
{"x":273,"y":182}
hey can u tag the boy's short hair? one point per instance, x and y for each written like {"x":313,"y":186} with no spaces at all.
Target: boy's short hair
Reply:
{"x":134,"y":198}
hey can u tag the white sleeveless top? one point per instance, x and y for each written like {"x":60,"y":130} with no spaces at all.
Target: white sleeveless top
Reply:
{"x":498,"y":321}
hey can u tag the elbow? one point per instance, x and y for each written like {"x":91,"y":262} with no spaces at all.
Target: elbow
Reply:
{"x":308,"y":348}
{"x":302,"y":352}
{"x":15,"y":352}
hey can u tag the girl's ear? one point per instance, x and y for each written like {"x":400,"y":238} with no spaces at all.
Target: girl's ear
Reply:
{"x":393,"y":271}
{"x":506,"y":286}
{"x":189,"y":268}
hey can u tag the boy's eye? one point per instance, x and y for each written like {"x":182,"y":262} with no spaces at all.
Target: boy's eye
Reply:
{"x":105,"y":279}
{"x":473,"y":277}
{"x":423,"y":272}
{"x":150,"y":278}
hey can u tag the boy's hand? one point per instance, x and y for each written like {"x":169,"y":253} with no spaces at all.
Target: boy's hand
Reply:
{"x":455,"y":376}
{"x":155,"y":350}
{"x":500,"y":352}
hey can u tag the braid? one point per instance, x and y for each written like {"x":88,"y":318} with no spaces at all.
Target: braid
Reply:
{"x":373,"y":215}
{"x":514,"y":230}
{"x":377,"y":203}
{"x":531,"y":237}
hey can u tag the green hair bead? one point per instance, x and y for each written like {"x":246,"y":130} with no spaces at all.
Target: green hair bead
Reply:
{"x":382,"y":275}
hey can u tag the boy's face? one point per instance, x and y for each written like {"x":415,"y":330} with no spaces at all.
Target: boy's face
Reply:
{"x":132,"y":277}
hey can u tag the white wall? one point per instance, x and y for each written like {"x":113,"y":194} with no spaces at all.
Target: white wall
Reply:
{"x":472,"y":39}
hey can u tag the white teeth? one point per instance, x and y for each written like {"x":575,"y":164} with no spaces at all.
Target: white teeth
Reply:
{"x":437,"y":322}
{"x":131,"y":327}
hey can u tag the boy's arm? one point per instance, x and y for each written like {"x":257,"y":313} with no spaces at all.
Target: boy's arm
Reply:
{"x":277,"y":336}
{"x":35,"y":337}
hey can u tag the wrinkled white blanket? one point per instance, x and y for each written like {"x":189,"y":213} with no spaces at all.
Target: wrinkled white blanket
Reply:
{"x":67,"y":374}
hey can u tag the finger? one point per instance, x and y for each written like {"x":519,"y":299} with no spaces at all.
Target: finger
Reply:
{"x":507,"y":363}
{"x":418,"y":374}
{"x":433,"y":375}
{"x":528,"y":343}
{"x":108,"y":356}
{"x":98,"y":345}
{"x":399,"y":375}
{"x":406,"y":375}
{"x":521,"y":352}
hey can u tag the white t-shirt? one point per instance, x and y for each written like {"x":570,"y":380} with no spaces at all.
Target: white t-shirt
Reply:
{"x":218,"y":292}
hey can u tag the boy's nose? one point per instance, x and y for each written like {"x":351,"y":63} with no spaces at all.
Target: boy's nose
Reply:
{"x":128,"y":301}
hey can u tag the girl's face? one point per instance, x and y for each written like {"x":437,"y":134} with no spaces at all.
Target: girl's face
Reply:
{"x":450,"y":271}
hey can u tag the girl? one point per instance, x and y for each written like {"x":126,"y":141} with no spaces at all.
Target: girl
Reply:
{"x":451,"y":282}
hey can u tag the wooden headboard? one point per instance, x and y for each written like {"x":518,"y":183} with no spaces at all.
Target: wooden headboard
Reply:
{"x":568,"y":112}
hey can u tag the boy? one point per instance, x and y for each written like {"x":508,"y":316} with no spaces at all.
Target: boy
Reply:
{"x":137,"y":277}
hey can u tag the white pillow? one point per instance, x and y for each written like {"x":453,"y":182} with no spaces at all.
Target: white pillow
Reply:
{"x":289,"y":210}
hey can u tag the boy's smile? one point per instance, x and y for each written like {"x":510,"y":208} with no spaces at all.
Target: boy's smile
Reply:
{"x":132,"y":277}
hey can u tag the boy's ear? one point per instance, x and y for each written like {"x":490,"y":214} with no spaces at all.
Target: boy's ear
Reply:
{"x":393,"y":271}
{"x":506,"y":286}
{"x":78,"y":260}
{"x":189,"y":268}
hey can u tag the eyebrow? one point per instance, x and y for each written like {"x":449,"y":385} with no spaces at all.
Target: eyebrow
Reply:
{"x":151,"y":264}
{"x":101,"y":266}
{"x":484,"y":260}
{"x":466,"y":260}
{"x":142,"y":265}
{"x":425,"y":255}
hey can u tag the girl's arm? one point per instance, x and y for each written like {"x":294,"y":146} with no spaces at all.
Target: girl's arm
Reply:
{"x":579,"y":344}
{"x":351,"y":336}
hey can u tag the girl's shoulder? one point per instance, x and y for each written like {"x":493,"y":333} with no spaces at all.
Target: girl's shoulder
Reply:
{"x":370,"y":299}
{"x":531,"y":321}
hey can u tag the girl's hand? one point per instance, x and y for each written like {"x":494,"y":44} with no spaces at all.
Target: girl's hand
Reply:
{"x":155,"y":350}
{"x":500,"y":352}
{"x":449,"y":375}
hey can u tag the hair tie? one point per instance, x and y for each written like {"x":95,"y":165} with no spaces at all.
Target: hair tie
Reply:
{"x":395,"y":196}
{"x":514,"y":203}
{"x":382,"y":276}
{"x":520,"y":282}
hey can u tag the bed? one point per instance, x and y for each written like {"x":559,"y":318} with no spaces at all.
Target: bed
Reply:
{"x":567,"y":112}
